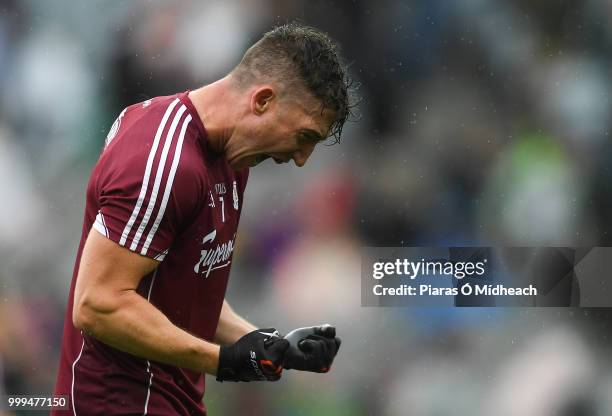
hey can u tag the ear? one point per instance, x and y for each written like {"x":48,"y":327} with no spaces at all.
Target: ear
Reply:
{"x":262,"y":99}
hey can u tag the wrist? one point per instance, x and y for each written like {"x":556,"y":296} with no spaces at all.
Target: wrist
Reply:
{"x":215,"y":359}
{"x":208,"y":358}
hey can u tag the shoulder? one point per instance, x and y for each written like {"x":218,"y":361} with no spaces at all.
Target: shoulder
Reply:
{"x":144,"y":124}
{"x":152,"y":140}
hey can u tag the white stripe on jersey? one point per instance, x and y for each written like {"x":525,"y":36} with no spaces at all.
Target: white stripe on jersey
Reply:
{"x":72,"y":398}
{"x":158,"y":178}
{"x":99,"y":225}
{"x":104,"y":224}
{"x":161,"y":256}
{"x":146,"y":406}
{"x":164,"y":203}
{"x":147,"y":173}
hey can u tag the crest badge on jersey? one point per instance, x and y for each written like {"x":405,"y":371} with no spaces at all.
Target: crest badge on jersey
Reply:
{"x":235,"y":195}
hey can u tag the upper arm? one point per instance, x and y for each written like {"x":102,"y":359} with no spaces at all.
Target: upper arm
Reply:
{"x":106,"y":272}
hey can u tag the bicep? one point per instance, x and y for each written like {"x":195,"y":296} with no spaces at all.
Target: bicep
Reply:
{"x":106,"y":271}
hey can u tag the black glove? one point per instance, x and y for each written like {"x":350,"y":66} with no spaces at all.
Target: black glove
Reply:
{"x":312,"y":349}
{"x":257,"y":356}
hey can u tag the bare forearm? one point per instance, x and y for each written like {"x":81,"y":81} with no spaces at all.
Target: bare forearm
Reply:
{"x":133,"y":325}
{"x":231,"y":326}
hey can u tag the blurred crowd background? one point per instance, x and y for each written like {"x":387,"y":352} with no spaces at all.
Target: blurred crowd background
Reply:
{"x":482,"y":122}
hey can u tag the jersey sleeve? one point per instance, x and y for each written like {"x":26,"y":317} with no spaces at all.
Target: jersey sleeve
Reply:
{"x":145,"y":188}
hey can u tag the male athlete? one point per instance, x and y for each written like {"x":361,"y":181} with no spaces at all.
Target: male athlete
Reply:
{"x":146,"y":315}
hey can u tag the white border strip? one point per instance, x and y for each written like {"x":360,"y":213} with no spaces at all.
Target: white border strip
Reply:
{"x":100,"y":225}
{"x":146,"y":407}
{"x":161,"y":256}
{"x":104,"y":223}
{"x":72,"y":387}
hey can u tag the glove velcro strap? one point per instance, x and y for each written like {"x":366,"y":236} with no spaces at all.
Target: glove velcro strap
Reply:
{"x":226,"y":371}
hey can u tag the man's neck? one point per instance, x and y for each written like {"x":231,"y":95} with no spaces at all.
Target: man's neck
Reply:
{"x":211,"y":103}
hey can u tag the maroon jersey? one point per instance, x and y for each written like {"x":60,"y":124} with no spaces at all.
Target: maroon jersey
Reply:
{"x":158,"y":191}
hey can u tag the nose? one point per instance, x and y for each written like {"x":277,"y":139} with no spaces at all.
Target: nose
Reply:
{"x":302,"y":154}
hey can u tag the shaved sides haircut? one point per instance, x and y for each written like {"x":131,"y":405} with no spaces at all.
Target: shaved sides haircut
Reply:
{"x":303,"y":60}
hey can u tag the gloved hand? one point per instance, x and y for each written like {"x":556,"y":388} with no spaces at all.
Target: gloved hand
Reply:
{"x":312,"y":349}
{"x":257,"y":356}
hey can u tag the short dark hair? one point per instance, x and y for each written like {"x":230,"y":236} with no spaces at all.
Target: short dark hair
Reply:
{"x":295,"y":51}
